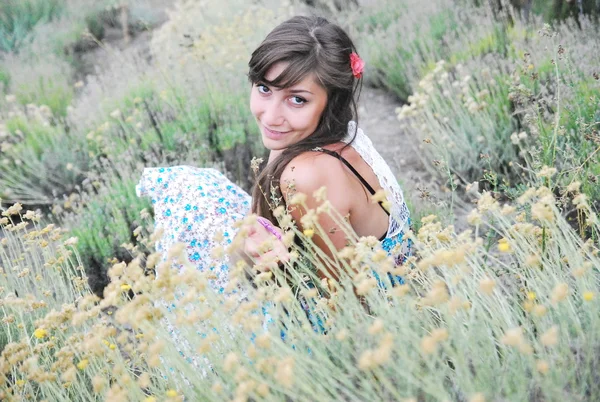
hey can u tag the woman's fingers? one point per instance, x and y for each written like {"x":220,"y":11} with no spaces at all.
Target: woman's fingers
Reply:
{"x":265,"y":247}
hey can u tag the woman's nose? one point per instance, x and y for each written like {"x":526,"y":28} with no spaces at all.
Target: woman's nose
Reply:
{"x":273,"y":115}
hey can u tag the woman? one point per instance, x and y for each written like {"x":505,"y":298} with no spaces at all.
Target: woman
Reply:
{"x":305,"y":77}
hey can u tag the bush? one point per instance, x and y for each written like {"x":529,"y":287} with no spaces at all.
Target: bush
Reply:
{"x":40,"y":79}
{"x":462,"y":117}
{"x":103,"y":217}
{"x":36,"y":166}
{"x":19,"y":17}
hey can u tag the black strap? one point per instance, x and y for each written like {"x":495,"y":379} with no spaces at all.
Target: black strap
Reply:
{"x":362,"y":180}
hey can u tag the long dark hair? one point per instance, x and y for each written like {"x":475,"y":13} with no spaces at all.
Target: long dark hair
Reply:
{"x":310,"y":45}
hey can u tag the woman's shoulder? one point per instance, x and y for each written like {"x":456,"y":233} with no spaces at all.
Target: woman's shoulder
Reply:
{"x":311,"y":170}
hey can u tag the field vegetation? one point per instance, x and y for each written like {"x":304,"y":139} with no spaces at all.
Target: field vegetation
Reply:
{"x":502,"y":100}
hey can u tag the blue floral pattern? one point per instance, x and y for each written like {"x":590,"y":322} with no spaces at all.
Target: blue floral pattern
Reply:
{"x":191,"y":205}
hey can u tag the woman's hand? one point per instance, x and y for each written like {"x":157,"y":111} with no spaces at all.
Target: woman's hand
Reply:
{"x":265,"y":247}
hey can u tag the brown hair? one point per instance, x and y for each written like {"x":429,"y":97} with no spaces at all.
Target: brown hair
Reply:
{"x":310,"y":45}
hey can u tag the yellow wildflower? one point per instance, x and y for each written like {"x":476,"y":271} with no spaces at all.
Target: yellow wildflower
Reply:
{"x":428,"y":345}
{"x":366,"y":361}
{"x":487,"y":202}
{"x":171,"y":393}
{"x":588,"y":296}
{"x":83,"y":363}
{"x":542,"y":212}
{"x":308,"y":233}
{"x":487,"y":285}
{"x":231,"y":360}
{"x":321,"y":194}
{"x":125,"y":287}
{"x":474,"y":218}
{"x":513,"y":337}
{"x":376,"y":327}
{"x":262,"y":390}
{"x":550,"y":337}
{"x":560,"y":292}
{"x":580,"y":200}
{"x":298,"y":199}
{"x":478,"y":397}
{"x":542,"y":366}
{"x":284,"y":372}
{"x":547,"y":172}
{"x":40,"y":333}
{"x":574,"y":187}
{"x":440,"y":334}
{"x":504,"y":246}
{"x":343,"y":334}
{"x":98,"y":383}
{"x":539,"y":310}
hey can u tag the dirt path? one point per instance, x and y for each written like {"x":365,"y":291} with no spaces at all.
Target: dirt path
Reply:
{"x":377,"y":117}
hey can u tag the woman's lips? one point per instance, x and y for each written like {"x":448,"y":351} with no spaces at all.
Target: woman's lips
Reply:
{"x":274,"y":135}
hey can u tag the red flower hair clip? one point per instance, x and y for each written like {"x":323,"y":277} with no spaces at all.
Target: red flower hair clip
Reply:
{"x":357,"y":64}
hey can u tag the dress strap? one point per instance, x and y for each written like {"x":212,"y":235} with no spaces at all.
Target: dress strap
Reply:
{"x":362,"y":180}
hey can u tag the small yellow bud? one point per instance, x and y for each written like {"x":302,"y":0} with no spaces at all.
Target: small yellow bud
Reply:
{"x":40,"y":333}
{"x":560,"y":292}
{"x":376,"y":327}
{"x":487,"y":285}
{"x":478,"y":397}
{"x":539,"y":310}
{"x":308,"y":233}
{"x":428,"y":345}
{"x":542,"y":366}
{"x":550,"y":337}
{"x":504,"y":246}
{"x":82,"y":364}
{"x":343,"y":334}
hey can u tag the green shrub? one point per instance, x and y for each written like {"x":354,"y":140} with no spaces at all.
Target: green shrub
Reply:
{"x":19,"y":17}
{"x":562,"y":115}
{"x":103,"y":216}
{"x":399,"y":53}
{"x":462,"y":118}
{"x":36,"y":164}
{"x":4,"y":80}
{"x":557,"y":10}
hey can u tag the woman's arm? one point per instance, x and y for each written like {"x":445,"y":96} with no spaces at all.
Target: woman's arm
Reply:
{"x":306,"y":174}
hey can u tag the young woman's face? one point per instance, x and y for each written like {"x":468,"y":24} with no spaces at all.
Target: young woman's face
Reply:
{"x":287,"y":116}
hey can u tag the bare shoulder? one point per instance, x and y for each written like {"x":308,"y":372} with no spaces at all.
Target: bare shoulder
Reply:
{"x":310,"y":171}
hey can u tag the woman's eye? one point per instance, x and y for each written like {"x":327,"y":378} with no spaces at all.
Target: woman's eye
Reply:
{"x":296,"y":100}
{"x":262,"y":89}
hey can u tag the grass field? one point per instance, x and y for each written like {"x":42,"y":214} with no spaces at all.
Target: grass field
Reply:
{"x":507,"y":113}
